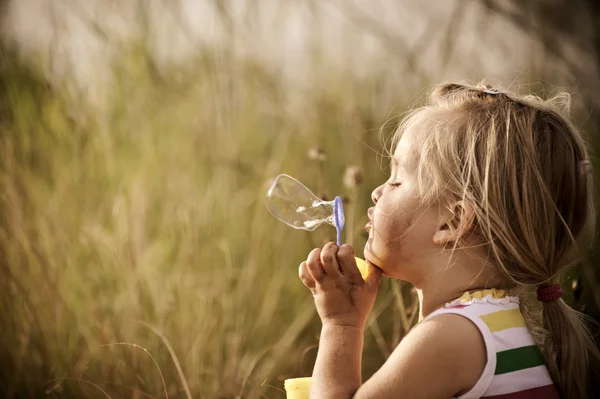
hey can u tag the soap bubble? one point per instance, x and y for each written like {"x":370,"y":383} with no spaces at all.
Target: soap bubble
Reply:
{"x":295,"y":205}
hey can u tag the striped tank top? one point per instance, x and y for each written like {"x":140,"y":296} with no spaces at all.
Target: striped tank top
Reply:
{"x":515,"y":367}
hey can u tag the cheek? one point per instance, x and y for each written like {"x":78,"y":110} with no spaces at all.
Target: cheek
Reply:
{"x":400,"y":228}
{"x":391,"y":224}
{"x":400,"y":245}
{"x":391,"y":227}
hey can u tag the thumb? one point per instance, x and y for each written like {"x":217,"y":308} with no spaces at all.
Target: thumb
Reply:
{"x":374,"y":275}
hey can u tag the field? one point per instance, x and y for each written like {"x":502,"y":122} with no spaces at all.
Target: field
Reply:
{"x":140,"y":253}
{"x":137,"y":255}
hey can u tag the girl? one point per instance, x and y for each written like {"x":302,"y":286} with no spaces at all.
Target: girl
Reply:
{"x":490,"y":199}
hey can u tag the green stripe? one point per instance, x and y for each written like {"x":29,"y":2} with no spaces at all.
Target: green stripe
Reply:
{"x":518,"y":359}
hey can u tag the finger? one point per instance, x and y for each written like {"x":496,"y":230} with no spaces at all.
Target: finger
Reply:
{"x":313,"y":263}
{"x":374,"y":276}
{"x":347,"y":262}
{"x":329,"y":259}
{"x":306,"y":277}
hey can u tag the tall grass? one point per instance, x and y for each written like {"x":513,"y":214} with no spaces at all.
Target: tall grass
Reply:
{"x":137,"y":256}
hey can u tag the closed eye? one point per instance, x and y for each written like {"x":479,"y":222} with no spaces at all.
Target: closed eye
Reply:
{"x":394,"y":175}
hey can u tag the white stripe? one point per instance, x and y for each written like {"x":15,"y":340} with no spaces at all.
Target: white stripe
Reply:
{"x":512,"y":338}
{"x":519,"y":381}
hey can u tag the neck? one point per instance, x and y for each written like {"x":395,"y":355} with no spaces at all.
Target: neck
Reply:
{"x":450,"y":282}
{"x":432,"y":297}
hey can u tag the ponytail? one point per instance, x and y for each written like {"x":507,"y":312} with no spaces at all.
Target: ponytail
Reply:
{"x":570,"y":352}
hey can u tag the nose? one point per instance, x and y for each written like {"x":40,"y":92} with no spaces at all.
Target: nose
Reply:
{"x":376,"y":194}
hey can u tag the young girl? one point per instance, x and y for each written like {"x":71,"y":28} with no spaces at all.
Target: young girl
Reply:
{"x":489,"y":203}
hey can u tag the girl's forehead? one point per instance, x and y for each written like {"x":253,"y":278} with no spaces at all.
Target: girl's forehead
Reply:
{"x":406,"y":151}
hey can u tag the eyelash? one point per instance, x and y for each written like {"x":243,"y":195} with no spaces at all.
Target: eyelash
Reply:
{"x":394,"y":174}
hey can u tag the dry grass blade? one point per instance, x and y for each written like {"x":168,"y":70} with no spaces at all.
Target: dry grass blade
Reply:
{"x":401,"y":306}
{"x":57,"y":382}
{"x":162,"y":379}
{"x":174,"y":358}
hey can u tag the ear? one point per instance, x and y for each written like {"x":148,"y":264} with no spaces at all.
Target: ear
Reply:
{"x":455,"y":221}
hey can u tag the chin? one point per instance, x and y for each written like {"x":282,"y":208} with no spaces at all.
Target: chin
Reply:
{"x":374,"y":259}
{"x":390,"y":268}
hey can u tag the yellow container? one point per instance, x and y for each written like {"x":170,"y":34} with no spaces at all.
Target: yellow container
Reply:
{"x":297,"y":388}
{"x":362,"y":266}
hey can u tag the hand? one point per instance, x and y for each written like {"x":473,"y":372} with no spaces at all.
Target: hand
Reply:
{"x":341,"y":295}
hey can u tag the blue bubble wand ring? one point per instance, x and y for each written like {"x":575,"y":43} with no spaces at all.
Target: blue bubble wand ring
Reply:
{"x":338,"y":218}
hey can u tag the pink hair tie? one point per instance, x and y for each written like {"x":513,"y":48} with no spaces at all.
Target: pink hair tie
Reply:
{"x":549,"y":293}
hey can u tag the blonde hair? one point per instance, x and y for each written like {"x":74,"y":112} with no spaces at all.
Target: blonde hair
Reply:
{"x":524,"y":168}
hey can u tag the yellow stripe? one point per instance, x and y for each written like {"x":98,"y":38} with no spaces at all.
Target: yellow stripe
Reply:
{"x":503,"y":319}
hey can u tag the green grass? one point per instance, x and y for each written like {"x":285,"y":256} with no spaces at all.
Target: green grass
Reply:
{"x":139,"y":257}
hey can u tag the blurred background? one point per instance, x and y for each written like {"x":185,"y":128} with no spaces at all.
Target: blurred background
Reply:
{"x":138,"y":139}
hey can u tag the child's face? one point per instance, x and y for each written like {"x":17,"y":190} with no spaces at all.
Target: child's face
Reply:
{"x":402,"y":228}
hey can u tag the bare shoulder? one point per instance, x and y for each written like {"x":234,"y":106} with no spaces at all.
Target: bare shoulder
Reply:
{"x":441,"y":357}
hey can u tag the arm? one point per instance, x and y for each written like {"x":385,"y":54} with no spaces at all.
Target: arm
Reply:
{"x":343,"y":300}
{"x":440,"y":358}
{"x":337,"y":369}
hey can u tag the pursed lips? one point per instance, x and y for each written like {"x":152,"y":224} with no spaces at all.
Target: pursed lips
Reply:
{"x":369,"y":225}
{"x":370,"y":213}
